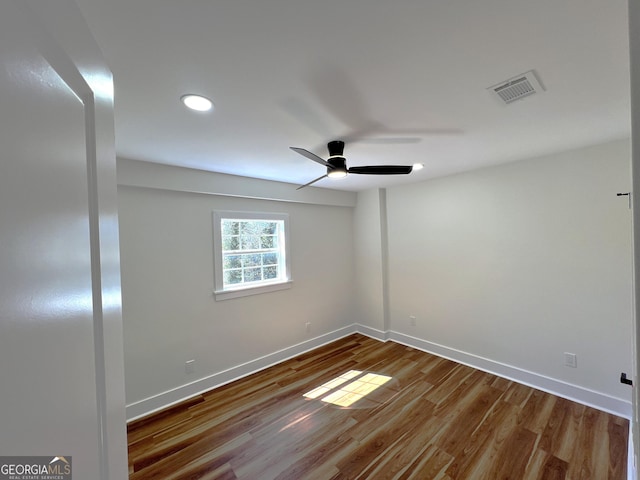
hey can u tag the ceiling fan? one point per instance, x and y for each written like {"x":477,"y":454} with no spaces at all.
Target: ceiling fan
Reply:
{"x":337,"y":165}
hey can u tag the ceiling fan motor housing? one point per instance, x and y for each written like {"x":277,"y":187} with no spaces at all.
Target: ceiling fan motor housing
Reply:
{"x":338,"y":163}
{"x":338,"y":167}
{"x":336,"y":148}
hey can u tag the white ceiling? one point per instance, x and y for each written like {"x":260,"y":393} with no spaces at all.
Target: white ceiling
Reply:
{"x":301,"y":73}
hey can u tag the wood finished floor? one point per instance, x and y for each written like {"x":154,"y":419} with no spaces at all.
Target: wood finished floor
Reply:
{"x":435,"y":420}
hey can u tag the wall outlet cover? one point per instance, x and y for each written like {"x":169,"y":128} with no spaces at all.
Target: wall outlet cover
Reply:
{"x":570,"y":360}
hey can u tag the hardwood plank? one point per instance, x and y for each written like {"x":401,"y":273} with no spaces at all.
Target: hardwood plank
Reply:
{"x":617,"y":434}
{"x":434,"y":420}
{"x":517,"y":394}
{"x":482,"y":446}
{"x":430,"y":464}
{"x":536,"y":411}
{"x":554,"y":468}
{"x":460,"y":426}
{"x":513,"y":456}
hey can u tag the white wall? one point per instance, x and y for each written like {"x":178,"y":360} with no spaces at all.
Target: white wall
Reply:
{"x":369,"y":260}
{"x":170,"y":315}
{"x":521,"y":263}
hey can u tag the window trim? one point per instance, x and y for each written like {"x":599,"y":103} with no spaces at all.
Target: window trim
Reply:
{"x":220,"y":293}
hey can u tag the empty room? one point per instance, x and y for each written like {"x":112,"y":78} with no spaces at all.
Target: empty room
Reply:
{"x":342,"y":240}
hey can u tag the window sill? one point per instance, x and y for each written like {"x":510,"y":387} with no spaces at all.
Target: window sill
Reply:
{"x":244,"y":292}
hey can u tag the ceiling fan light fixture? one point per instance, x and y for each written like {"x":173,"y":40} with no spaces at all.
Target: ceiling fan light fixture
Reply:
{"x":337,"y":173}
{"x":336,"y":164}
{"x":197,"y":102}
{"x":417,"y":166}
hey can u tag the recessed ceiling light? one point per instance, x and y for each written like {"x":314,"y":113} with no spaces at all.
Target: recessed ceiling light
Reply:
{"x":197,"y":102}
{"x":418,"y":166}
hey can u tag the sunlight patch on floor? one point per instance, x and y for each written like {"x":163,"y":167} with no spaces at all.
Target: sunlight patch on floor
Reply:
{"x":349,"y":388}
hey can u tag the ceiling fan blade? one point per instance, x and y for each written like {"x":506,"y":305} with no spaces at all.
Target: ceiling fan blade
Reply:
{"x":389,"y":140}
{"x":340,"y":95}
{"x":310,"y":156}
{"x":307,"y":116}
{"x":382,"y":170}
{"x":312,"y":181}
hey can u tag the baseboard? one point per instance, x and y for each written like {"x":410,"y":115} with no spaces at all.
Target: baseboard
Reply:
{"x":575,"y":393}
{"x":163,"y":400}
{"x":372,"y":332}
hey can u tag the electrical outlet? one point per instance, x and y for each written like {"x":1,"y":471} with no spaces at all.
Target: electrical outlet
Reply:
{"x":307,"y":326}
{"x":570,"y":360}
{"x":412,"y":320}
{"x":190,"y":366}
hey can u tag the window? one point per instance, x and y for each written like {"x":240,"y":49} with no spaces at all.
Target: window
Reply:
{"x":250,"y":253}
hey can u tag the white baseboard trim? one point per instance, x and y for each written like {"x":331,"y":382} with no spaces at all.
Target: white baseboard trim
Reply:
{"x":163,"y":400}
{"x":372,"y":332}
{"x":575,"y":393}
{"x":562,"y":389}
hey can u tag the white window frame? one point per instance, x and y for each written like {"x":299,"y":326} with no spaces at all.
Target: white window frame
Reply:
{"x":222,"y":293}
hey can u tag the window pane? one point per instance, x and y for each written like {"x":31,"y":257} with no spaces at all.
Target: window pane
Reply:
{"x":250,"y":242}
{"x":250,"y":228}
{"x":230,"y":243}
{"x":269,"y":258}
{"x":267,"y":241}
{"x":252,"y":274}
{"x":252,"y":260}
{"x":230,"y":227}
{"x":270,"y":272}
{"x":269,"y":228}
{"x":232,"y":261}
{"x":232,"y":277}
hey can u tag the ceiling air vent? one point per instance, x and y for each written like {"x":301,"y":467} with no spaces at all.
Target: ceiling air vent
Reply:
{"x":518,"y":87}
